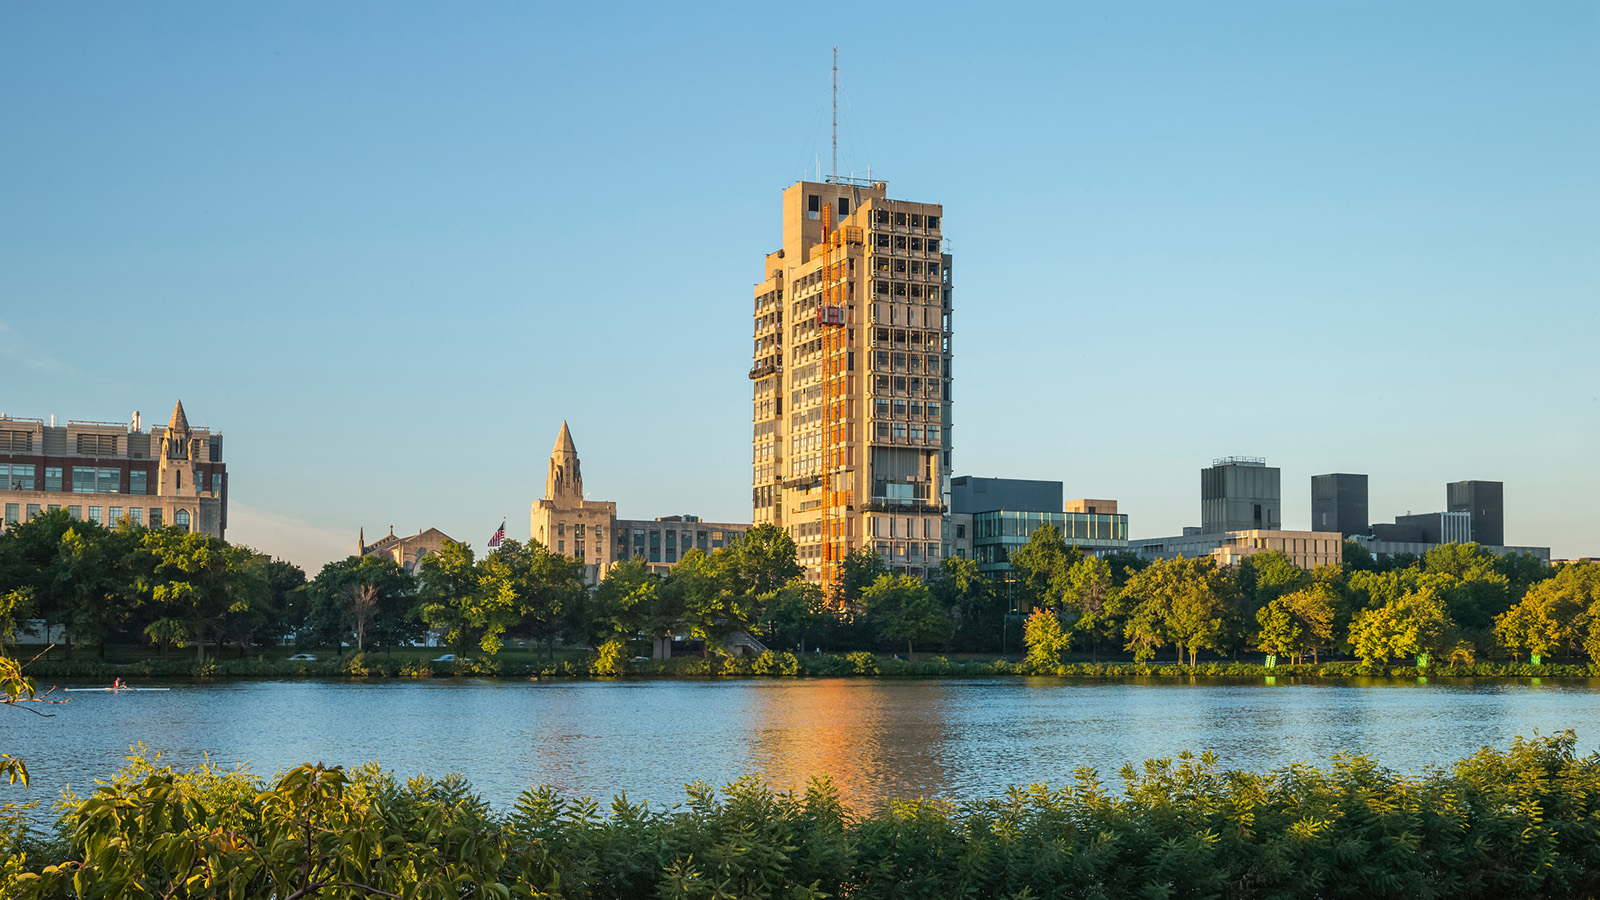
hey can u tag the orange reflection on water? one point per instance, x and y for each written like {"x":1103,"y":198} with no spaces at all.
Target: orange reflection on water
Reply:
{"x":871,"y":742}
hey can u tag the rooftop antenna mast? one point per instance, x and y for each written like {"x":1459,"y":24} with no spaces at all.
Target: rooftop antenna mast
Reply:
{"x":835,"y":177}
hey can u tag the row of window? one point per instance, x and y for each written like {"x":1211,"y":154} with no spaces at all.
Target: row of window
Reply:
{"x":884,"y":361}
{"x":95,"y":481}
{"x":903,"y":385}
{"x":910,"y":551}
{"x":902,"y":242}
{"x":915,"y":317}
{"x":110,"y":516}
{"x":902,"y":409}
{"x":912,"y":339}
{"x":901,"y":433}
{"x":912,"y":220}
{"x":912,"y":290}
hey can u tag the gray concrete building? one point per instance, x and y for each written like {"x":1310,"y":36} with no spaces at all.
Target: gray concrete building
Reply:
{"x":971,"y":493}
{"x":1484,"y":503}
{"x":1435,"y":527}
{"x":1240,"y":493}
{"x":109,"y":472}
{"x":1339,"y":503}
{"x":1241,"y":515}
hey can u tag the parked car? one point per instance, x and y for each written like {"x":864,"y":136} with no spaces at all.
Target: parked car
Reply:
{"x":448,"y":657}
{"x":302,"y":657}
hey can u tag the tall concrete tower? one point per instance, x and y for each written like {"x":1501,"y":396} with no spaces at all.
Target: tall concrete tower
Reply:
{"x":850,"y":379}
{"x":1240,"y":493}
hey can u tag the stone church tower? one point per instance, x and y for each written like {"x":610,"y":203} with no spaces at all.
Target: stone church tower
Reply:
{"x":176,"y":471}
{"x":564,"y":484}
{"x":566,"y":523}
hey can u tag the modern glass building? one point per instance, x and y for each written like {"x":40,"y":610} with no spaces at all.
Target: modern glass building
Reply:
{"x":995,"y":534}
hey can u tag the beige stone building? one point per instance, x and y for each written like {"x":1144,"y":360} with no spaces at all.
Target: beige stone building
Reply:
{"x":851,"y":378}
{"x":1308,"y":549}
{"x":589,"y":530}
{"x":407,"y":552}
{"x":565,"y":522}
{"x":108,"y":472}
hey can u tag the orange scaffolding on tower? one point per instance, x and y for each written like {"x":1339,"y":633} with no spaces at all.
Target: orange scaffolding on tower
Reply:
{"x":835,"y":318}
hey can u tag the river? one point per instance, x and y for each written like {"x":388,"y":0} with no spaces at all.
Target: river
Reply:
{"x":877,"y":738}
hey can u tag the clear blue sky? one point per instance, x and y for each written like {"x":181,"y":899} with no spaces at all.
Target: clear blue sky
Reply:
{"x":386,"y":248}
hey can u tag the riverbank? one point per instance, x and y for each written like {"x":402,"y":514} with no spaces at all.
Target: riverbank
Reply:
{"x":766,"y":665}
{"x":1512,"y":823}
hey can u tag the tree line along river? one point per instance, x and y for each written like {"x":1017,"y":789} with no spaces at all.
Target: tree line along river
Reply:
{"x":877,"y":738}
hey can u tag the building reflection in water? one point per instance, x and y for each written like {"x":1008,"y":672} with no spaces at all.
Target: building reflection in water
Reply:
{"x":874,"y":741}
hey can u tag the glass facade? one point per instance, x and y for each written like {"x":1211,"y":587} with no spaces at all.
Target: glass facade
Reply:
{"x":996,"y":534}
{"x":17,"y":478}
{"x":138,"y":482}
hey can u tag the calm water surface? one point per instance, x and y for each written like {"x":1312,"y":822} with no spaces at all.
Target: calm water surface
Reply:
{"x":878,"y":738}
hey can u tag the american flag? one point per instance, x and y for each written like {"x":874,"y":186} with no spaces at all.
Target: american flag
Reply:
{"x":499,"y":536}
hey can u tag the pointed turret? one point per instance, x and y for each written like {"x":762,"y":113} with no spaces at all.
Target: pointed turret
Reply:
{"x":564,"y":484}
{"x":179,"y":421}
{"x":361,"y":542}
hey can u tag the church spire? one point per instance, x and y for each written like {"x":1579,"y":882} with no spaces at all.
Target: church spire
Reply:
{"x":179,"y":421}
{"x":564,"y":484}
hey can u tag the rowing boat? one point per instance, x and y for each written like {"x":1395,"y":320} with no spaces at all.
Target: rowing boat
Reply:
{"x":116,"y":689}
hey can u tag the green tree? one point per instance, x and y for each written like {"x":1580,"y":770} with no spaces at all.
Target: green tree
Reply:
{"x":1264,"y":577}
{"x":971,"y":601}
{"x":1178,"y":601}
{"x":715,"y":606}
{"x":1357,"y":558}
{"x":630,"y":602}
{"x":198,"y":582}
{"x":902,"y":608}
{"x":1090,"y":598}
{"x":550,"y":588}
{"x":1411,"y":624}
{"x":1557,"y":615}
{"x":1045,"y":641}
{"x":449,"y":595}
{"x":1041,"y":565}
{"x":857,"y":572}
{"x":369,"y":599}
{"x":1279,"y":633}
{"x":762,"y":561}
{"x":1315,"y":609}
{"x":795,"y":613}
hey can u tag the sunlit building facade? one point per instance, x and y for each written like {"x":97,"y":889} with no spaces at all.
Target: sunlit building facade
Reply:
{"x":109,"y":472}
{"x":850,"y":379}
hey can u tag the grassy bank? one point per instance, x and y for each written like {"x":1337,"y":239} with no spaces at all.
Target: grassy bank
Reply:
{"x":575,"y":664}
{"x":1519,"y":823}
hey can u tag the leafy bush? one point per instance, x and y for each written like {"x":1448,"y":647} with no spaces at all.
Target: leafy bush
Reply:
{"x":1519,"y":823}
{"x":864,"y":663}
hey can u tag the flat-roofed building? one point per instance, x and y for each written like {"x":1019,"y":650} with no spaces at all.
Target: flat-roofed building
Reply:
{"x":1239,"y":493}
{"x":850,"y":378}
{"x":1308,"y":549}
{"x":662,"y":542}
{"x":1485,"y":504}
{"x":107,"y":472}
{"x":1339,"y":503}
{"x":992,"y":517}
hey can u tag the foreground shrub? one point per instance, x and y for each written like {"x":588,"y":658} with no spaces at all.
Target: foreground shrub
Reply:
{"x":1524,"y":822}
